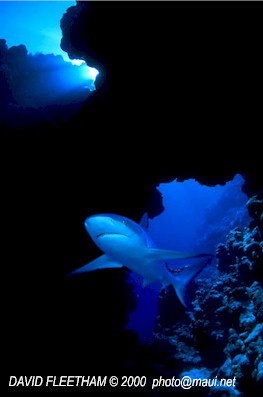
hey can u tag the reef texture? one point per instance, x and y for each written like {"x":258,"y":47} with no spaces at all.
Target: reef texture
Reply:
{"x":224,"y":331}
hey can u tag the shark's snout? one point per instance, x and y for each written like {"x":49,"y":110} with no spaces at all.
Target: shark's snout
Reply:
{"x":97,"y":221}
{"x":91,"y":225}
{"x":97,"y":225}
{"x":105,"y":228}
{"x":89,"y":221}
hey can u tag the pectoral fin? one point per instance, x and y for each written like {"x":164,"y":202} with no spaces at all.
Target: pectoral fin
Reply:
{"x":156,"y":254}
{"x":102,"y":262}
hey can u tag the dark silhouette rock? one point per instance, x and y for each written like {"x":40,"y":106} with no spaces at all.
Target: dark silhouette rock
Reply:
{"x":176,"y":98}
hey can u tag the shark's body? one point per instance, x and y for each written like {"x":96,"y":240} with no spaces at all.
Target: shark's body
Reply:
{"x":126,"y":243}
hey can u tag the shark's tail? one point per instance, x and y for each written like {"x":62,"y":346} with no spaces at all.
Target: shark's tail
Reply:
{"x":182,"y":279}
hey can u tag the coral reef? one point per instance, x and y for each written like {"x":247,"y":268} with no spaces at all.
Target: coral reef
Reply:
{"x":223,"y":332}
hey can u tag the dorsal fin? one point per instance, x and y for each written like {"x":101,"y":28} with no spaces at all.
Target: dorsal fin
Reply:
{"x":144,"y":221}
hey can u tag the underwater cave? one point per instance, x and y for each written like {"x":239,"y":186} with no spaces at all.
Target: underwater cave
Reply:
{"x":186,"y":149}
{"x":195,"y":218}
{"x":222,"y":331}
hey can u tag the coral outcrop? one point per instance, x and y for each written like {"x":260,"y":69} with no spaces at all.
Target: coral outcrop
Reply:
{"x":224,"y":330}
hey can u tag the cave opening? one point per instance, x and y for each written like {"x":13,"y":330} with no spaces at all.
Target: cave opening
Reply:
{"x":196,"y":218}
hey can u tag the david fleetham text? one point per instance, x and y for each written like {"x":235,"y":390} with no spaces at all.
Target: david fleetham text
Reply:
{"x":186,"y":382}
{"x":51,"y":380}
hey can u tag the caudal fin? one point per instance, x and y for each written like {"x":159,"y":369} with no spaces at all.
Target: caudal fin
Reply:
{"x":181,"y":280}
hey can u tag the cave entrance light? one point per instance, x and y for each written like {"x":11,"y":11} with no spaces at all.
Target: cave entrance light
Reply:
{"x":87,"y":73}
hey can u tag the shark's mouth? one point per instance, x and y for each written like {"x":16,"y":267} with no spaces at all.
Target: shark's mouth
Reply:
{"x":110,"y":234}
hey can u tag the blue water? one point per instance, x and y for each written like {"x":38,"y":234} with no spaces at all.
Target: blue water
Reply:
{"x":196,"y":218}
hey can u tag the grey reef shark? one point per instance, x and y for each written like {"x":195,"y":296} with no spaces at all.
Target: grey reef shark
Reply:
{"x":126,"y":243}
